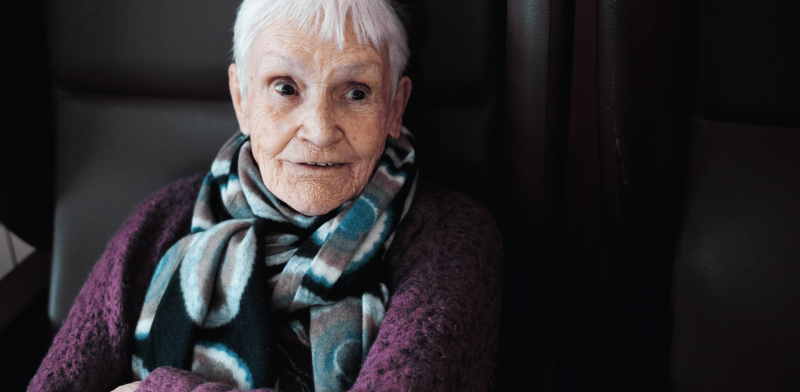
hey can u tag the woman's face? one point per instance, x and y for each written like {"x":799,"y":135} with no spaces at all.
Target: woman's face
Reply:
{"x":317,"y":117}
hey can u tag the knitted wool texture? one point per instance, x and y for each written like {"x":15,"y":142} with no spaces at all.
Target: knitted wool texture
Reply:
{"x":439,"y":333}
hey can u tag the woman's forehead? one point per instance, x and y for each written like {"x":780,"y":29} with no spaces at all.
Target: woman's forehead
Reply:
{"x":291,"y":48}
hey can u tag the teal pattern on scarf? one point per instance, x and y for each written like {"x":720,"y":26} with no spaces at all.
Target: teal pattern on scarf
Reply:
{"x":251,"y":262}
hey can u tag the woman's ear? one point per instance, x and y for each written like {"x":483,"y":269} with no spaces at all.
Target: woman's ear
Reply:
{"x":401,"y":96}
{"x":236,"y":97}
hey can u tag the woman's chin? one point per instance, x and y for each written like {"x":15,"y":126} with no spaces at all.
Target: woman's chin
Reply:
{"x":317,"y":202}
{"x":312,"y":209}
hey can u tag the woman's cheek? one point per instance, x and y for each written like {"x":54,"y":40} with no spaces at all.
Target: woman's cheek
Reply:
{"x":367,"y":136}
{"x":270,"y":130}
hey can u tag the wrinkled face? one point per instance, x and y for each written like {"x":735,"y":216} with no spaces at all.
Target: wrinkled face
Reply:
{"x":318,"y":117}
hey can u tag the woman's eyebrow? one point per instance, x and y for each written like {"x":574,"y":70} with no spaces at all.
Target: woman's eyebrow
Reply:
{"x":370,"y":67}
{"x":286,"y":61}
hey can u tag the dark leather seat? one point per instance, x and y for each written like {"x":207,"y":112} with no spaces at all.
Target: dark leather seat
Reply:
{"x":141,"y":100}
{"x":735,"y":297}
{"x":699,"y":129}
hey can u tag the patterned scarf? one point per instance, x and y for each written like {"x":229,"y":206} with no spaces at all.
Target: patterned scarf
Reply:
{"x":251,"y":263}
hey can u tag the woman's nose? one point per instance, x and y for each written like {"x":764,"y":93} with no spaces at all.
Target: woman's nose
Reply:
{"x":319,"y":122}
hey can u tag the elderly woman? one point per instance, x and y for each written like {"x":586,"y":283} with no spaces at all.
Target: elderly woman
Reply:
{"x":310,"y":257}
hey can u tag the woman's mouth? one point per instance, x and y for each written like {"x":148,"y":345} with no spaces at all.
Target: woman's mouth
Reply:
{"x":319,"y":165}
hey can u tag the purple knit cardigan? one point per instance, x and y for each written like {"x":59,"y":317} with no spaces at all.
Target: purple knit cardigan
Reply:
{"x":439,"y":334}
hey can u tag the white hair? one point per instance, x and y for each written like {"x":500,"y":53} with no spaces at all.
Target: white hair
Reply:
{"x":374,"y":21}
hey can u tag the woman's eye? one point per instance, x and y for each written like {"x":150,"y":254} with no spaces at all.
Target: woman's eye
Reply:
{"x":357,"y":95}
{"x":286,"y":89}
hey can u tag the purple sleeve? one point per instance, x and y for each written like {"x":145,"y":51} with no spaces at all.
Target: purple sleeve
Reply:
{"x":170,"y":379}
{"x":441,"y":328}
{"x":91,"y":351}
{"x":87,"y":353}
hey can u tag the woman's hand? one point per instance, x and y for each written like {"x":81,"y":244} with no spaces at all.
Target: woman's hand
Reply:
{"x":127,"y":387}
